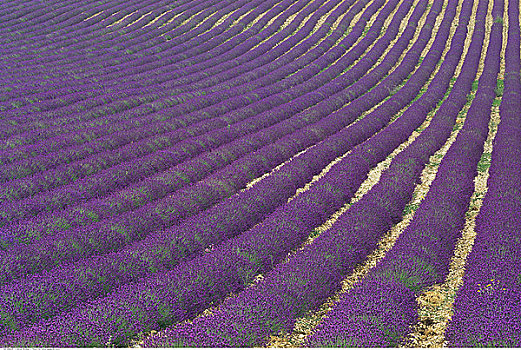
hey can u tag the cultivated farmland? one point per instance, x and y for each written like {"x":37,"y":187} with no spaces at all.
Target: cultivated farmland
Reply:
{"x":260,"y":173}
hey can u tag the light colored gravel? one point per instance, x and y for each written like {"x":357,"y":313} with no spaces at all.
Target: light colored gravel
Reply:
{"x":157,"y":18}
{"x":185,"y":21}
{"x":139,"y":19}
{"x":94,"y":15}
{"x":285,"y":24}
{"x":121,"y":20}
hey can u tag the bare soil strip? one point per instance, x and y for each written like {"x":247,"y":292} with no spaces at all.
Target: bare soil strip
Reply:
{"x":157,"y":18}
{"x":94,"y":15}
{"x":121,"y":20}
{"x":284,"y":25}
{"x":139,"y":19}
{"x":225,"y":17}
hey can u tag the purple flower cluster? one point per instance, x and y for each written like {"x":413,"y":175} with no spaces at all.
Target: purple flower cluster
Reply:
{"x":487,"y":308}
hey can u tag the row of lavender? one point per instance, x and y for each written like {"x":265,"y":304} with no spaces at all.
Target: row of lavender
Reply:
{"x":125,"y":137}
{"x":312,"y":274}
{"x":384,"y":304}
{"x":113,"y":37}
{"x":102,"y":31}
{"x":39,"y":203}
{"x":111,"y":298}
{"x":213,"y":222}
{"x":87,"y":113}
{"x":188,"y":61}
{"x":176,"y":124}
{"x":121,"y":226}
{"x":312,"y":156}
{"x":271,"y":97}
{"x":205,"y":63}
{"x":122,"y":138}
{"x":487,"y":308}
{"x":113,"y":227}
{"x":193,"y":67}
{"x":73,"y":175}
{"x":192,"y":169}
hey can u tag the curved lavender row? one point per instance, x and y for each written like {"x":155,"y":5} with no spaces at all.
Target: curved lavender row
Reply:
{"x":105,"y":266}
{"x":311,"y":156}
{"x":201,"y":47}
{"x":75,"y":22}
{"x":303,"y":283}
{"x":12,"y":18}
{"x":82,"y":84}
{"x":146,"y":109}
{"x":127,"y":228}
{"x":77,"y":93}
{"x":302,"y":209}
{"x":86,"y":31}
{"x":187,"y":30}
{"x":130,"y":59}
{"x":125,"y":104}
{"x":125,"y":17}
{"x":14,"y":8}
{"x":131,"y":41}
{"x":272,"y":192}
{"x":31,"y":165}
{"x":31,"y":10}
{"x":208,"y":35}
{"x":34,"y":16}
{"x":159,"y":180}
{"x":130,"y":32}
{"x":76,"y":25}
{"x":35,"y":22}
{"x":50,"y":15}
{"x":59,"y":25}
{"x":78,"y":174}
{"x":487,"y":307}
{"x":71,"y":22}
{"x":194,"y":52}
{"x":422,"y":253}
{"x":79,"y":190}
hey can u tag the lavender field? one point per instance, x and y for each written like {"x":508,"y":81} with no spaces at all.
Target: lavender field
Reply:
{"x":260,"y":173}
